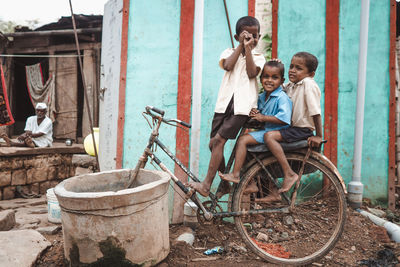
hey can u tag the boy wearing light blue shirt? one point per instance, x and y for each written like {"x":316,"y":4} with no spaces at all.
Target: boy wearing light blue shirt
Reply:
{"x":274,"y":109}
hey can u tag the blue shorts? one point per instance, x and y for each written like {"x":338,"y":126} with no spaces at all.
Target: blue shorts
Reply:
{"x":258,"y":136}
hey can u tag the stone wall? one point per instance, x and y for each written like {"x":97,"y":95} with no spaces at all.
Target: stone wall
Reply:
{"x":37,"y":173}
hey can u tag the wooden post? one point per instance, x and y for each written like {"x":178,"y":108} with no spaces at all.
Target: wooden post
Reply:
{"x":392,"y":109}
{"x":183,"y":101}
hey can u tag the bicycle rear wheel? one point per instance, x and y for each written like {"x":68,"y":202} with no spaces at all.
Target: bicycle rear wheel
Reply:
{"x":298,"y":236}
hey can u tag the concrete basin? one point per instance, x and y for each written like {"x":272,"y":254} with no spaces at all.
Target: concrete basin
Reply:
{"x":106,"y":224}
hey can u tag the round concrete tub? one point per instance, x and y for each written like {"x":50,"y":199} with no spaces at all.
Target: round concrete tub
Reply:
{"x":104,"y":223}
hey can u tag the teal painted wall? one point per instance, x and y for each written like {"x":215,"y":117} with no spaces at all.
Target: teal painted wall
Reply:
{"x":215,"y":40}
{"x":301,"y":27}
{"x":376,"y":140}
{"x":152,"y":73}
{"x":152,"y":76}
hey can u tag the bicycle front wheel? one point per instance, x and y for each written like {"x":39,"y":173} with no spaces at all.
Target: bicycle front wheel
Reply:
{"x":282,"y":235}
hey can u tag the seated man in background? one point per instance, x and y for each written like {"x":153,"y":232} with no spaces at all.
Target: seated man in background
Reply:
{"x":38,"y":130}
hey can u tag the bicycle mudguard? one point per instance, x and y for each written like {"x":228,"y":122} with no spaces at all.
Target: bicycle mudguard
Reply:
{"x":324,"y":160}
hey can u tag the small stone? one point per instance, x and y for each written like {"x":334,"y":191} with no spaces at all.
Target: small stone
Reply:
{"x":186,"y":237}
{"x":288,"y":220}
{"x":49,"y":230}
{"x":317,"y":264}
{"x":285,"y":235}
{"x":262,"y":237}
{"x":236,"y":247}
{"x":7,"y":220}
{"x":353,"y":248}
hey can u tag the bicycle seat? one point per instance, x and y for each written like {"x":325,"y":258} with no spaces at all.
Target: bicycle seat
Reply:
{"x":286,"y":146}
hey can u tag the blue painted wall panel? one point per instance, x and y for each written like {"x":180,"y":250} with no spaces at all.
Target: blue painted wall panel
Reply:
{"x":152,"y":73}
{"x":376,"y":140}
{"x":301,"y":27}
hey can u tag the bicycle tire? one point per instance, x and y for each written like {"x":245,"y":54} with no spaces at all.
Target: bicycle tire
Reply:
{"x":312,"y":228}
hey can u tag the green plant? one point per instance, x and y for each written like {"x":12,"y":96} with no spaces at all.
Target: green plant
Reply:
{"x":268,"y":47}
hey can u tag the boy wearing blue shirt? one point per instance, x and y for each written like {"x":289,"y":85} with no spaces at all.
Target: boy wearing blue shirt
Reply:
{"x":274,"y":109}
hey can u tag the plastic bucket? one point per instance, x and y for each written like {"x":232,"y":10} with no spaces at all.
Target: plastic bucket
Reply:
{"x":53,"y":209}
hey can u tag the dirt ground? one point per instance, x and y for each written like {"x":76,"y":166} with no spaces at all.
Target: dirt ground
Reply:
{"x":361,"y":243}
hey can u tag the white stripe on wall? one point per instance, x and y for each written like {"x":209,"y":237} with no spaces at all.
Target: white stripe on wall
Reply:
{"x":197,"y":84}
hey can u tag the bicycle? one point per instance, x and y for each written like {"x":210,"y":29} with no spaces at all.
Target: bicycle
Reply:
{"x":297,"y":230}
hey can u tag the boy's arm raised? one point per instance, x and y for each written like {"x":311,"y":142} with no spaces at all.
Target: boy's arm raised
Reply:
{"x":251,"y":67}
{"x":229,"y":62}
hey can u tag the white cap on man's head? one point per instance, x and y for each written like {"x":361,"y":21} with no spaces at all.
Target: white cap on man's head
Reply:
{"x":41,"y":106}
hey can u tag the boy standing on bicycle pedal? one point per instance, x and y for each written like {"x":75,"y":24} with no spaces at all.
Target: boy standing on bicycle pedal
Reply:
{"x":236,"y":97}
{"x":306,"y":116}
{"x":274,"y":110}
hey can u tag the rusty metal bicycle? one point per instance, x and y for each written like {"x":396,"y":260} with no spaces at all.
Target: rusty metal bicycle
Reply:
{"x":300,"y":229}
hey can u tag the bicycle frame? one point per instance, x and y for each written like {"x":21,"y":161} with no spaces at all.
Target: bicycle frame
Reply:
{"x":190,"y":193}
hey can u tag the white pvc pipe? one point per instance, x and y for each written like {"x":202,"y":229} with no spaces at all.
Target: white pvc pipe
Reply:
{"x":392,"y":228}
{"x":355,"y":186}
{"x":197,"y":84}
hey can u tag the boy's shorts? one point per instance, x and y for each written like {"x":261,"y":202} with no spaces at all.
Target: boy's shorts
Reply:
{"x":227,"y":124}
{"x":293,"y":134}
{"x":258,"y":136}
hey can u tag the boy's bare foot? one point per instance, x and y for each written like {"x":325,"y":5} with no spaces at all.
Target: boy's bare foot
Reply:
{"x":199,"y":188}
{"x":225,"y":188}
{"x":29,"y":142}
{"x":288,"y":182}
{"x":269,"y":198}
{"x":6,"y":139}
{"x":229,"y":177}
{"x":251,"y":188}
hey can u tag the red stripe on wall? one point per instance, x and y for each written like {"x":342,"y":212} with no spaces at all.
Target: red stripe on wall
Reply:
{"x":331,"y":78}
{"x":184,"y":99}
{"x":252,"y":8}
{"x":275,"y":8}
{"x":392,"y":108}
{"x":122,"y":85}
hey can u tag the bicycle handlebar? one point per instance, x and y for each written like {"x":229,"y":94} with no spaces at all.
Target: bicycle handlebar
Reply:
{"x":162,"y":112}
{"x":185,"y":124}
{"x":157,"y":110}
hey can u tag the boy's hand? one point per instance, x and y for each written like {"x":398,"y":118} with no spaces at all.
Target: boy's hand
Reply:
{"x":277,"y":60}
{"x":242,"y":36}
{"x":314,"y":141}
{"x":257,"y":116}
{"x":253,"y":111}
{"x":246,"y":39}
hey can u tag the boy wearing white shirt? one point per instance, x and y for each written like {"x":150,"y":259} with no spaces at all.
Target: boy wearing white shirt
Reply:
{"x":237,"y":95}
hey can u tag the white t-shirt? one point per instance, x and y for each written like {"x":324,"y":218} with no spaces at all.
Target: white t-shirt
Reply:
{"x":237,"y":83}
{"x":46,"y":127}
